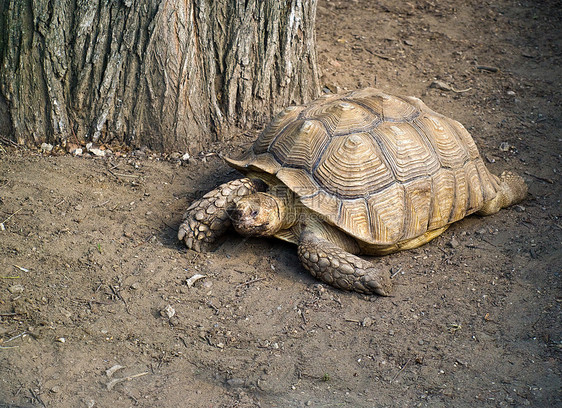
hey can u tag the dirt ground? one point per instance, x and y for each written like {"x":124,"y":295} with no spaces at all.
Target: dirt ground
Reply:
{"x":91,"y":270}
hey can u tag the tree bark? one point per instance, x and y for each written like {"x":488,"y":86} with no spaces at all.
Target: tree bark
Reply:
{"x":168,"y":74}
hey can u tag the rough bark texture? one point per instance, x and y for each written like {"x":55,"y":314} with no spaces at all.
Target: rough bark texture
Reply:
{"x":166,"y":74}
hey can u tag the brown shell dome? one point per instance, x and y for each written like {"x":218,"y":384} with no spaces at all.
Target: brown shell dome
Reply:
{"x":382,"y":168}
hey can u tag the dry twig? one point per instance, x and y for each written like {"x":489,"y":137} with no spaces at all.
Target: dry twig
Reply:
{"x":402,"y":369}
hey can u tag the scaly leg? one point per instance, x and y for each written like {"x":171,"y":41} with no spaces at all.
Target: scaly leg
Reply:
{"x":512,"y":190}
{"x":337,"y":267}
{"x":207,"y":218}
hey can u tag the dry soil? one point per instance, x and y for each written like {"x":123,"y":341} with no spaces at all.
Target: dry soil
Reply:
{"x":91,"y":270}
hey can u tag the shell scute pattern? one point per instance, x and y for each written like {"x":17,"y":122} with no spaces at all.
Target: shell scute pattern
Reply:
{"x":382,"y":168}
{"x":279,"y":122}
{"x":343,"y":116}
{"x":351,"y":178}
{"x":407,"y":150}
{"x":300,"y":144}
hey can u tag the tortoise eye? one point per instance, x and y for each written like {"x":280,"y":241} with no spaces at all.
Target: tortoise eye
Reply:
{"x":254,"y":213}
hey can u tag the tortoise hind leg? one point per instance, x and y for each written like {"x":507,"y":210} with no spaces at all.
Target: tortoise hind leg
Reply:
{"x":337,"y":267}
{"x":512,"y":189}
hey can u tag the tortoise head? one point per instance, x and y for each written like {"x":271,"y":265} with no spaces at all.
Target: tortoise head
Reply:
{"x":258,"y":214}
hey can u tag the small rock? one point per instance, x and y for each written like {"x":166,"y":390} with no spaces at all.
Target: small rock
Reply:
{"x":46,"y":147}
{"x":441,"y":86}
{"x":318,"y":287}
{"x":334,"y":63}
{"x":421,"y":342}
{"x":128,"y":231}
{"x":367,"y":322}
{"x":511,"y":93}
{"x":66,"y":313}
{"x":97,"y":152}
{"x":454,"y":243}
{"x":481,"y":231}
{"x":74,"y":149}
{"x":139,"y":153}
{"x":61,"y":340}
{"x":135,"y":286}
{"x":330,"y":88}
{"x":235,"y":382}
{"x":185,"y":157}
{"x":504,"y":146}
{"x":168,"y":312}
{"x":519,"y":208}
{"x":55,"y":389}
{"x":78,"y":207}
{"x":16,"y":289}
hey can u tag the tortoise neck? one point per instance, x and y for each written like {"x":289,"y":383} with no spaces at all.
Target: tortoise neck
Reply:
{"x":289,"y":210}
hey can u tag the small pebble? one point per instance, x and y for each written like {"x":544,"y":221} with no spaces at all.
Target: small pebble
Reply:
{"x":504,"y":146}
{"x":441,"y":86}
{"x":519,"y":208}
{"x":55,"y":389}
{"x":16,"y":289}
{"x":235,"y":382}
{"x":168,"y":312}
{"x":454,"y":243}
{"x":367,"y":322}
{"x":46,"y":147}
{"x":97,"y":152}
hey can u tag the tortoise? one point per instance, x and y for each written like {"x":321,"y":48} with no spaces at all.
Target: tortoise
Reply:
{"x":363,"y":172}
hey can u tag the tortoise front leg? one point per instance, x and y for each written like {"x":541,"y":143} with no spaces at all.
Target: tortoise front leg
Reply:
{"x":331,"y":264}
{"x":207,"y":218}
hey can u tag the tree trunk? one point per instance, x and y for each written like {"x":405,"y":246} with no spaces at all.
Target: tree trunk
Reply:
{"x":166,"y":74}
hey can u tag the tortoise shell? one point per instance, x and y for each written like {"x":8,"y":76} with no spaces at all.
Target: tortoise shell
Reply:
{"x":382,"y":168}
